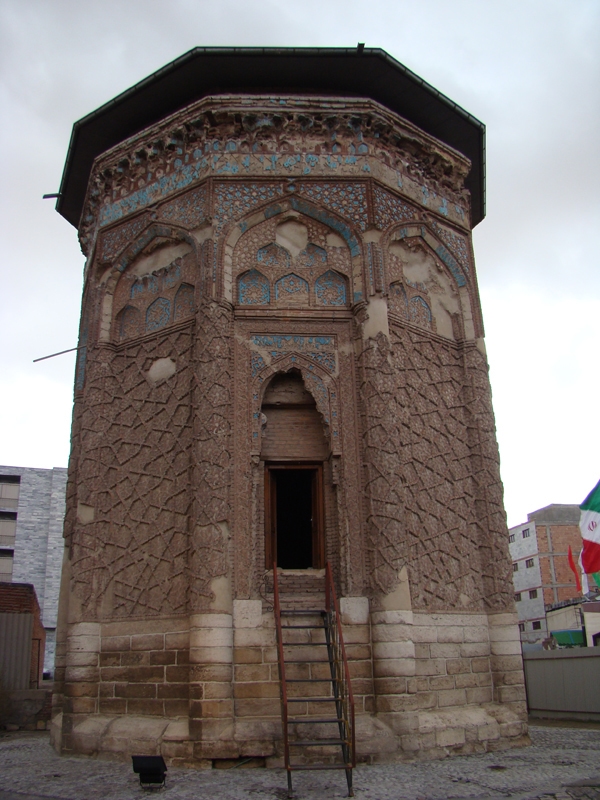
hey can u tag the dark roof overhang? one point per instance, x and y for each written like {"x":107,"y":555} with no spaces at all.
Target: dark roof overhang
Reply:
{"x":206,"y":71}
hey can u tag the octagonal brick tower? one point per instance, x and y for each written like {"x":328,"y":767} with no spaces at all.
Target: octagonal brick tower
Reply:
{"x":281,"y":331}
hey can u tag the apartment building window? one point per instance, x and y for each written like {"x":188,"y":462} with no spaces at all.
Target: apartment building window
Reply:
{"x":526,"y":533}
{"x":529,"y":563}
{"x":8,"y":528}
{"x":6,"y":565}
{"x":9,"y":491}
{"x":533,"y":594}
{"x":511,"y":538}
{"x":522,"y":626}
{"x":517,"y":596}
{"x":515,"y":567}
{"x":9,"y":499}
{"x":537,"y":625}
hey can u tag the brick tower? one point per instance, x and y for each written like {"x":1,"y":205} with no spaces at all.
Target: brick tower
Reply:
{"x":281,"y":359}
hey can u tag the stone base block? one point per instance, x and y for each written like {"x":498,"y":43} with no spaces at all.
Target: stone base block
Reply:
{"x":462,"y":731}
{"x":383,"y":738}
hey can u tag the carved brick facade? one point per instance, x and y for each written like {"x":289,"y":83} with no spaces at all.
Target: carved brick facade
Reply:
{"x":239,"y":240}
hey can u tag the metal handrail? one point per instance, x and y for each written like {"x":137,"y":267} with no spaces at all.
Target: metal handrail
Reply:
{"x":340,"y":680}
{"x":340,"y":664}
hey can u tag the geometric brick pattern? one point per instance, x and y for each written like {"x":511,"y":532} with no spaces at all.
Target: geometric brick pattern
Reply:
{"x":188,"y":210}
{"x":209,"y":556}
{"x":118,"y":238}
{"x":456,"y":243}
{"x":136,"y":442}
{"x":429,"y":474}
{"x":390,"y":209}
{"x":347,"y":198}
{"x":431,"y":465}
{"x":234,"y":201}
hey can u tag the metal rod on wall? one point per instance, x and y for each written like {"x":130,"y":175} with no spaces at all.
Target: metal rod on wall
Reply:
{"x":62,"y":352}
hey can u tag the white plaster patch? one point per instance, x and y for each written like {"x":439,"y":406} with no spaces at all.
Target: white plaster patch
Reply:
{"x":247,"y":613}
{"x":131,"y":727}
{"x":161,"y":369}
{"x":333,"y":240}
{"x":162,"y":257}
{"x":106,"y":317}
{"x":85,"y":514}
{"x":468,"y":324}
{"x":374,"y":736}
{"x":221,"y":589}
{"x":92,"y":725}
{"x":354,"y":610}
{"x":202,"y":233}
{"x":372,"y":236}
{"x":292,"y":235}
{"x":420,"y":267}
{"x":377,"y":318}
{"x":399,"y":599}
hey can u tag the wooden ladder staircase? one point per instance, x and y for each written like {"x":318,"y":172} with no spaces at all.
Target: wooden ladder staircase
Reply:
{"x":322,"y":679}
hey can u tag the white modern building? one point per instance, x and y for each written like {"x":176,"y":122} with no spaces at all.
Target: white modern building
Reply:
{"x":32,"y":510}
{"x":541,"y":573}
{"x":527,"y":582}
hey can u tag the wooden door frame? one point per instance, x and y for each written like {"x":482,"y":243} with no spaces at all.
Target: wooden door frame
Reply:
{"x":318,"y":510}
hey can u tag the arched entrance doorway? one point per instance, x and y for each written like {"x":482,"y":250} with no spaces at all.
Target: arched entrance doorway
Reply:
{"x":294,"y":448}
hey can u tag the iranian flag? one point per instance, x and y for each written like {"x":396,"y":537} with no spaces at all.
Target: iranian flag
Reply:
{"x":590,"y":531}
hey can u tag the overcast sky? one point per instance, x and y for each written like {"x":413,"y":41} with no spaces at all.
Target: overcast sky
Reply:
{"x":529,"y":69}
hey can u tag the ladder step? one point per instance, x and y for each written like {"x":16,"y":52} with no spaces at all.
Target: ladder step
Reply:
{"x":311,"y":699}
{"x":321,"y":720}
{"x":293,"y":768}
{"x":304,"y":644}
{"x":317,"y":743}
{"x":302,"y":612}
{"x":298,"y":627}
{"x":307,"y":680}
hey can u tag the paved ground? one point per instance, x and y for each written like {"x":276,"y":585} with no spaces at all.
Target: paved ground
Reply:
{"x":563,"y":763}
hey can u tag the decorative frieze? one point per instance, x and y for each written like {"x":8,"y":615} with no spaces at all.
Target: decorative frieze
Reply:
{"x":305,"y":138}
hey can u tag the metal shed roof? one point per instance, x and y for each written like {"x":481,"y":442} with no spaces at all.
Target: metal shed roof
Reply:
{"x":370,"y":72}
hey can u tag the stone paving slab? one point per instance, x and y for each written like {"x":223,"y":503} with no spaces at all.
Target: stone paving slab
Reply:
{"x":562,"y":764}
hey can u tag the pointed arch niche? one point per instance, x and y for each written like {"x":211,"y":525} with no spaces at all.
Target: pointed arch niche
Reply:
{"x":292,"y":427}
{"x":426,"y":285}
{"x":151,"y":285}
{"x":294,"y":449}
{"x":300,"y":251}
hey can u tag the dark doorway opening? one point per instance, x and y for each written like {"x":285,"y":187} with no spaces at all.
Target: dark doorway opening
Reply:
{"x":294,"y":518}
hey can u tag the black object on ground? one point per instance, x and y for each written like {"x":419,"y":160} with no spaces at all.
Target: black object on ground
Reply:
{"x":151,"y":770}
